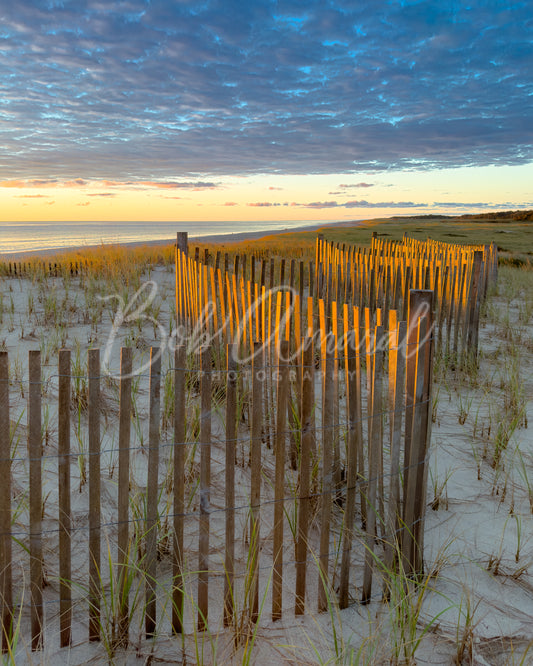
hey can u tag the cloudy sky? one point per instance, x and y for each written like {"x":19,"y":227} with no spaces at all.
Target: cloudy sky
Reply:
{"x":264,"y":110}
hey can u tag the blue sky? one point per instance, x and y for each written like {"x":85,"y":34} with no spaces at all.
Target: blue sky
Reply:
{"x":347,"y":108}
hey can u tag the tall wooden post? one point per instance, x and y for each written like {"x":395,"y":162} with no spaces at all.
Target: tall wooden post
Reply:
{"x":65,"y":518}
{"x":279,"y":452}
{"x":255,"y":462}
{"x":152,"y":492}
{"x":230,"y":461}
{"x":205,"y":488}
{"x":304,"y":478}
{"x":95,"y":572}
{"x":124,"y":433}
{"x":180,"y":363}
{"x":6,"y":583}
{"x":417,"y":423}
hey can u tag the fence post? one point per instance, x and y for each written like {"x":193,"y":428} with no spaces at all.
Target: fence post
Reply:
{"x":152,"y":491}
{"x":63,"y":477}
{"x":205,"y":482}
{"x":426,"y":424}
{"x":230,"y":461}
{"x":417,"y":413}
{"x":6,"y":581}
{"x":351,"y":477}
{"x":35,"y":454}
{"x":307,"y":446}
{"x":327,"y":477}
{"x":374,"y":457}
{"x":255,"y":462}
{"x":124,"y":431}
{"x":397,"y":377}
{"x":279,"y":452}
{"x":94,"y":494}
{"x":474,"y":306}
{"x":180,"y":365}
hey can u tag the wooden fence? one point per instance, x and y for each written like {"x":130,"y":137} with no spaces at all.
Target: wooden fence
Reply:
{"x":47,"y":268}
{"x":302,"y":408}
{"x":314,"y":455}
{"x":255,"y":298}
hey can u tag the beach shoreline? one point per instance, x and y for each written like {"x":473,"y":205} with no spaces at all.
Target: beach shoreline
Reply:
{"x":211,"y":238}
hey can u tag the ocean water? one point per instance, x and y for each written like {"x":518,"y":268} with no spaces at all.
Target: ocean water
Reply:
{"x":26,"y":236}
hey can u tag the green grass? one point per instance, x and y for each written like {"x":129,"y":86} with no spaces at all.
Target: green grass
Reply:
{"x":512,"y":237}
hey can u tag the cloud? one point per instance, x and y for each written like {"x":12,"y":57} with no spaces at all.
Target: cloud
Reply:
{"x":174,"y":186}
{"x":321,"y":204}
{"x":80,"y":182}
{"x":12,"y":183}
{"x":231,"y":203}
{"x":454,"y":204}
{"x":169,"y":96}
{"x":31,"y":196}
{"x":345,"y":186}
{"x":362,"y":204}
{"x":383,"y":204}
{"x":102,"y":194}
{"x":28,"y":183}
{"x":263,"y":204}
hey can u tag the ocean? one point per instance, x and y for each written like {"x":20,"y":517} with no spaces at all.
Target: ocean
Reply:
{"x":32,"y":236}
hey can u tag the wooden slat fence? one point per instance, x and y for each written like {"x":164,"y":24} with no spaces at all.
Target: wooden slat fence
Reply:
{"x":229,"y":303}
{"x":319,"y":501}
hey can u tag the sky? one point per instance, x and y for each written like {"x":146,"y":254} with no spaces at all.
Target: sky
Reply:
{"x":264,"y":110}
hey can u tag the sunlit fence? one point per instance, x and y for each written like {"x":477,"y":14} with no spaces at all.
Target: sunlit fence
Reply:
{"x":281,"y":479}
{"x":253,"y":298}
{"x":278,"y":466}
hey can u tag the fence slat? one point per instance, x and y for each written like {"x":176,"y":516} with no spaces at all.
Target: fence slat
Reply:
{"x":152,"y":493}
{"x":324,"y":589}
{"x":6,"y":582}
{"x":417,"y":402}
{"x":397,"y":376}
{"x":426,"y":350}
{"x":359,"y":417}
{"x":374,"y":456}
{"x":351,"y":476}
{"x":94,"y":494}
{"x":63,"y":477}
{"x":205,"y":482}
{"x":255,"y":463}
{"x":410,"y":475}
{"x":34,"y":454}
{"x":307,"y":446}
{"x":231,"y":442}
{"x":180,"y":366}
{"x":279,"y":483}
{"x":124,"y":432}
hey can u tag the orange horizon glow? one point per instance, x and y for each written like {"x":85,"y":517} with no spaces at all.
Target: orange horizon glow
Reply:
{"x":266,"y":197}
